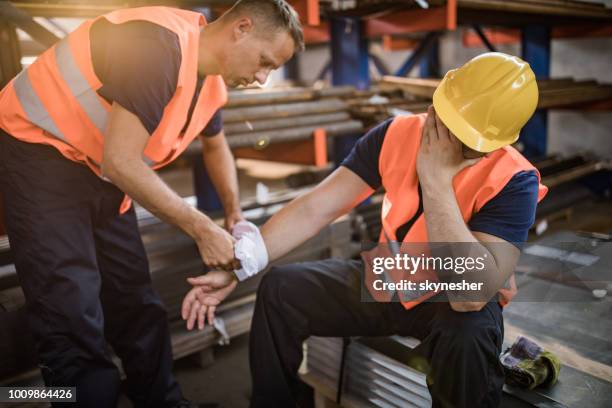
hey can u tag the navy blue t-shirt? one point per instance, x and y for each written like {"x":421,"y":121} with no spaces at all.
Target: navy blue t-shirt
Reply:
{"x":138,"y":64}
{"x":509,"y":215}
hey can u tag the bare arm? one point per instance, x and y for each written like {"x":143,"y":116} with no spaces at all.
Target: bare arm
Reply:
{"x":305,"y":216}
{"x":440,"y":158}
{"x":124,"y":143}
{"x":221,"y":168}
{"x":445,"y":224}
{"x":298,"y":221}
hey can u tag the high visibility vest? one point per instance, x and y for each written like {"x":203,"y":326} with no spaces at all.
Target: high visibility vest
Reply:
{"x":474,"y":186}
{"x":54,"y":101}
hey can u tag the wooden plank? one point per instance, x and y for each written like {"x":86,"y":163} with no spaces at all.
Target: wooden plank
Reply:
{"x":415,"y":86}
{"x":298,"y":152}
{"x":552,"y":93}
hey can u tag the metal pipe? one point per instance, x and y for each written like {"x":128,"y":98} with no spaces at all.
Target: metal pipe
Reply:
{"x":283,"y":110}
{"x":262,"y":139}
{"x":234,"y":128}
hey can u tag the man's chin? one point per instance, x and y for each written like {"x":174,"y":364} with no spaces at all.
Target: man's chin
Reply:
{"x":234,"y":83}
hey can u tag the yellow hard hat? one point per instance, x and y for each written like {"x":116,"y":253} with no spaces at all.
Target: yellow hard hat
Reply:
{"x":486,"y":102}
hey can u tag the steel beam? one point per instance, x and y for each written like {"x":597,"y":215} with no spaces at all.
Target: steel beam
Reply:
{"x":417,"y":54}
{"x":24,"y":21}
{"x":535,"y":43}
{"x":349,"y":53}
{"x":429,"y":66}
{"x":350,"y":66}
{"x":207,"y":198}
{"x":10,"y":55}
{"x":483,"y":38}
{"x":292,"y":68}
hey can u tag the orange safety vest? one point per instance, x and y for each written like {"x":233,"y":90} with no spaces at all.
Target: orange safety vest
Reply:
{"x":474,"y":187}
{"x":54,"y":101}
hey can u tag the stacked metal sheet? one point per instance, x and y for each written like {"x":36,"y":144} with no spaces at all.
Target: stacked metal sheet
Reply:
{"x":369,"y":376}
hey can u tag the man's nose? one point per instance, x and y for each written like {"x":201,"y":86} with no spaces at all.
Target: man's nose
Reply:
{"x":262,"y":77}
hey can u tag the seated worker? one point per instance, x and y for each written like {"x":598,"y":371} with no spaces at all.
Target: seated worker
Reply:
{"x":449,"y":175}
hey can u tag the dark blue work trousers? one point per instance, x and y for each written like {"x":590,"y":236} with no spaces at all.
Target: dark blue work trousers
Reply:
{"x":459,"y":351}
{"x":86,"y":280}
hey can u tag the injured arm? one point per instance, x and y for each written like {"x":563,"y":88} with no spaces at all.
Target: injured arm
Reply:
{"x":305,"y":216}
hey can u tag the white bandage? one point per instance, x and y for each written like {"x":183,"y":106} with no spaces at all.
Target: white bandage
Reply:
{"x":250,"y":250}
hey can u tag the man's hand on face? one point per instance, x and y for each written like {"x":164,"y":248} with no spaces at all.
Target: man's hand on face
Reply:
{"x":208,"y":292}
{"x":440,"y":155}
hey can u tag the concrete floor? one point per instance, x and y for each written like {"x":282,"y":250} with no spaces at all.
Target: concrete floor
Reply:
{"x":227,"y":381}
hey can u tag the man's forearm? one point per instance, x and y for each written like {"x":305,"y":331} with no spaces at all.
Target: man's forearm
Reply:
{"x":305,"y":216}
{"x":443,"y":217}
{"x":221,"y":169}
{"x":445,"y":224}
{"x":291,"y":226}
{"x":142,"y":184}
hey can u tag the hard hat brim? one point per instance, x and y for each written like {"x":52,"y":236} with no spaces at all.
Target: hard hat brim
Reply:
{"x":469,"y":136}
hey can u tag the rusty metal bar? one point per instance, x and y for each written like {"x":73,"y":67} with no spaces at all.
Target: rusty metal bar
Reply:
{"x":234,"y":128}
{"x":283,"y":110}
{"x":24,"y":21}
{"x":262,"y":139}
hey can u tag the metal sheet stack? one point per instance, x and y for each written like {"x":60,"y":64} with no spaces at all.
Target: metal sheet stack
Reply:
{"x":370,"y":376}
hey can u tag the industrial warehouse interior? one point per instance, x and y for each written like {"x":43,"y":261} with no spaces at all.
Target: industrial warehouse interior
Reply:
{"x":204,"y":203}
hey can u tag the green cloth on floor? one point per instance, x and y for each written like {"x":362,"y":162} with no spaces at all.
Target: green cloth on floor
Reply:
{"x":527,"y":365}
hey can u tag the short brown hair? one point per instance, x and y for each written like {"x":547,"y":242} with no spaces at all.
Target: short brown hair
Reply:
{"x":277,"y":14}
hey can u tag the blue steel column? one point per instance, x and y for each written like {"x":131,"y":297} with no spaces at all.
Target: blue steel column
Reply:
{"x":292,"y":68}
{"x":349,"y":65}
{"x":535,"y":43}
{"x":430,"y":63}
{"x":207,"y":198}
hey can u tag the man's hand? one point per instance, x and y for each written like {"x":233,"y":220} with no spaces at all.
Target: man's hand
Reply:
{"x":440,"y":155}
{"x":216,"y":247}
{"x":232,"y":217}
{"x":201,"y":302}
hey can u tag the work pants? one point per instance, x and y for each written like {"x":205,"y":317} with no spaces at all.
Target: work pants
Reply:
{"x":85,"y":276}
{"x":323,"y":298}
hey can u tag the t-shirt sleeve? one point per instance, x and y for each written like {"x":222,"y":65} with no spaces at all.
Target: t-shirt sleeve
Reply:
{"x":363,"y":158}
{"x":215,"y":125}
{"x":138,"y":64}
{"x":511,"y":213}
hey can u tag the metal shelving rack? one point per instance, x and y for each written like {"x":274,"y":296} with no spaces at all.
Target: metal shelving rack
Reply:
{"x":351,"y":29}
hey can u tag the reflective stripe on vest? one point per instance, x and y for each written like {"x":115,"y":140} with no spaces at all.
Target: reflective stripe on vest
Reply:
{"x":80,"y":88}
{"x":33,"y":106}
{"x":55,"y":100}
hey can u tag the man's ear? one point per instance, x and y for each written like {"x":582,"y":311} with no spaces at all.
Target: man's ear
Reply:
{"x":242,"y":27}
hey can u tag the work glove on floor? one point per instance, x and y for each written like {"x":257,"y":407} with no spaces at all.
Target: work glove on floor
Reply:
{"x":527,"y":365}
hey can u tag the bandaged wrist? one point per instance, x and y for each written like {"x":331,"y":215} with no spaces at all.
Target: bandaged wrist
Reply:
{"x":250,"y":250}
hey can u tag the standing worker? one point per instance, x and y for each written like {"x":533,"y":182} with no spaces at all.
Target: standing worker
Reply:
{"x":82,"y":130}
{"x":449,"y":176}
